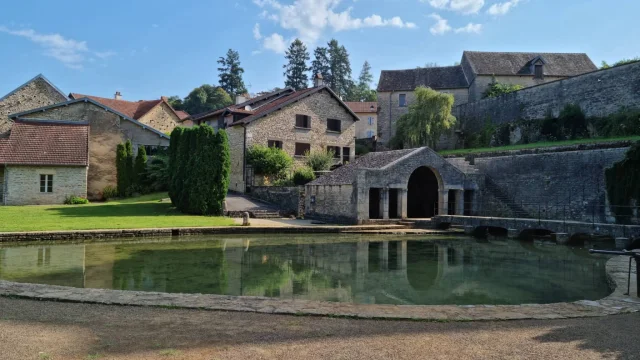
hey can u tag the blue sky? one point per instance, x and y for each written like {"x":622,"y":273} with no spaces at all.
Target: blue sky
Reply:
{"x":146,"y":49}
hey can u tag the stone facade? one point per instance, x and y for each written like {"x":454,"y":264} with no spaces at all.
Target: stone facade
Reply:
{"x":334,"y":203}
{"x":364,"y":128}
{"x":237,"y":149}
{"x":598,"y":93}
{"x":161,"y":118}
{"x":481,"y":83}
{"x":288,"y":199}
{"x":107,"y":130}
{"x":389,"y":109}
{"x":23,"y":184}
{"x":35,"y":94}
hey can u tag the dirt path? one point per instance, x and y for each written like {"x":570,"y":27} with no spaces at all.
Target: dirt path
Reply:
{"x":49,"y":330}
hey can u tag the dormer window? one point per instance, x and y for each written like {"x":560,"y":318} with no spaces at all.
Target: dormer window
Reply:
{"x":538,"y":71}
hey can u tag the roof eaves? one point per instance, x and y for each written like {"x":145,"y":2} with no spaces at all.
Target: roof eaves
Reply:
{"x":39,"y":76}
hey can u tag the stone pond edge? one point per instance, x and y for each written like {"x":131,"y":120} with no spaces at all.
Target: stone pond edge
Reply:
{"x":615,"y":303}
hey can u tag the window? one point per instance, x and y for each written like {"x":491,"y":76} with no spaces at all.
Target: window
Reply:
{"x":303,"y":121}
{"x":46,"y":183}
{"x":539,"y":73}
{"x":275,"y":143}
{"x":336,"y":151}
{"x":402,"y":100}
{"x":371,"y":121}
{"x":370,"y":134}
{"x":345,"y":154}
{"x":334,"y":125}
{"x":302,"y":149}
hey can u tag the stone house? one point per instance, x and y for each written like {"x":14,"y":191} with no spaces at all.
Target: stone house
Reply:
{"x":367,"y":111}
{"x":468,"y":81}
{"x":157,"y":114}
{"x":35,"y":93}
{"x":43,"y":162}
{"x":107,"y":128}
{"x":308,"y":120}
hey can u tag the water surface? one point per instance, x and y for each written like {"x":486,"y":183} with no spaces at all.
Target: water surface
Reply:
{"x":354,"y":269}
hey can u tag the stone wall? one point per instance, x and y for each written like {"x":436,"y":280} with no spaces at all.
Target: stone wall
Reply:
{"x":558,"y":185}
{"x":362,"y":126}
{"x":389,"y":110}
{"x":36,"y":94}
{"x":332,"y":203}
{"x":287,"y":199}
{"x":480,"y":84}
{"x":236,"y":145}
{"x":23,"y":184}
{"x":106,"y":131}
{"x":161,"y":118}
{"x":598,"y":93}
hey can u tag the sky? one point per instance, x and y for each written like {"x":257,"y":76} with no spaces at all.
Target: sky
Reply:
{"x":147,"y":49}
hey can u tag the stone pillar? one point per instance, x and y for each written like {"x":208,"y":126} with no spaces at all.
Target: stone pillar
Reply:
{"x":384,"y":203}
{"x":561,"y":238}
{"x":384,"y":255}
{"x":513,"y":233}
{"x":460,"y":202}
{"x":402,"y":203}
{"x":443,"y":206}
{"x":402,"y":259}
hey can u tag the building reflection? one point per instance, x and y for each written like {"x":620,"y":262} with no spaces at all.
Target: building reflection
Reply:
{"x":396,"y":272}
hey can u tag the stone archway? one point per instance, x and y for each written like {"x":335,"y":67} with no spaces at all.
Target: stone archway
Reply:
{"x":422,"y":193}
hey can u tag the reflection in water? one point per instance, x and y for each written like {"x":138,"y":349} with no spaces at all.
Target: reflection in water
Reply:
{"x":460,"y":271}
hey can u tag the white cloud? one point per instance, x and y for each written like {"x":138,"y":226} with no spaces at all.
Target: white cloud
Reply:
{"x":461,"y":6}
{"x":275,"y":42}
{"x":309,"y":19}
{"x":72,"y":53}
{"x":256,"y":32}
{"x":470,"y":28}
{"x":441,"y":26}
{"x":502,"y":8}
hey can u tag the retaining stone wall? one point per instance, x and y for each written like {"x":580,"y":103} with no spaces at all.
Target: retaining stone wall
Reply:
{"x":287,"y":199}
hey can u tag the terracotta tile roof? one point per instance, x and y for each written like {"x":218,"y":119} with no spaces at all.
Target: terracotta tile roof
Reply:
{"x":362,"y":106}
{"x":133,"y":109}
{"x":38,"y":142}
{"x":182,"y":114}
{"x":274,"y":105}
{"x":240,"y":108}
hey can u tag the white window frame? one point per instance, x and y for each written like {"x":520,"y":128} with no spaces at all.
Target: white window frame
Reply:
{"x":48,"y":184}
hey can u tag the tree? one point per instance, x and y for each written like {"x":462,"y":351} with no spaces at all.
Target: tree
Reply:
{"x":362,"y":91}
{"x":605,"y":65}
{"x":140,"y":167}
{"x":206,"y":98}
{"x":231,"y":74}
{"x":269,"y":161}
{"x":296,"y":68}
{"x":496,"y":89}
{"x":340,"y":67}
{"x":175,"y":102}
{"x":321,"y":64}
{"x":121,"y":163}
{"x":428,"y":117}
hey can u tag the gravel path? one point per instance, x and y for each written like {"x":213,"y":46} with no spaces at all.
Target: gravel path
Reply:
{"x":49,"y":330}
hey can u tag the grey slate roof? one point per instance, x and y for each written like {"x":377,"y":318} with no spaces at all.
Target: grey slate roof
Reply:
{"x":446,"y":77}
{"x":345,"y":175}
{"x":517,"y":63}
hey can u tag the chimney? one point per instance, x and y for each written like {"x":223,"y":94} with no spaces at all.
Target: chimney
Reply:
{"x":164,"y":98}
{"x":240,"y":99}
{"x":317,"y":80}
{"x":118,"y":96}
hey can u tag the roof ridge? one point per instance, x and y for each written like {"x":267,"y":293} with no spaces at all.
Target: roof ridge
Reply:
{"x":523,"y":52}
{"x":39,"y":76}
{"x":424,"y":68}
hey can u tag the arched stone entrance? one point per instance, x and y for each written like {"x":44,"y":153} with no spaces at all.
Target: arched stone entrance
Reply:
{"x":422,"y":195}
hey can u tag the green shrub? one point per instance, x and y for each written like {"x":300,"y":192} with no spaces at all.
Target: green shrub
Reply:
{"x":75,"y":200}
{"x":496,"y":89}
{"x":625,"y":122}
{"x":109,"y":192}
{"x":269,"y":161}
{"x":303,"y":175}
{"x":174,"y":181}
{"x":320,"y":160}
{"x":157,"y":174}
{"x":574,"y":122}
{"x":284,"y":182}
{"x":362,"y":149}
{"x":140,"y":168}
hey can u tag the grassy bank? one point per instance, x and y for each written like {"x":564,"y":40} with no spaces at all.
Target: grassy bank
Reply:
{"x":142,"y":212}
{"x":536,"y":145}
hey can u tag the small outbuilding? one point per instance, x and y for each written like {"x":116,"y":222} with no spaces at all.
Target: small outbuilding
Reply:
{"x":400,"y":184}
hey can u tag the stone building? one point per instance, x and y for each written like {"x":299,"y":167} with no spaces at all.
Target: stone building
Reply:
{"x":107,"y":129}
{"x":468,"y":81}
{"x":157,"y":114}
{"x":35,"y":93}
{"x":367,"y":111}
{"x":308,"y":120}
{"x":43,"y":162}
{"x":400,"y":184}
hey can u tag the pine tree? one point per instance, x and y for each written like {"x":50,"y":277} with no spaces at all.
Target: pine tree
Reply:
{"x":128,"y":147}
{"x":121,"y":159}
{"x":174,"y":145}
{"x":362,"y":91}
{"x":321,"y":64}
{"x":296,"y":68}
{"x":340,"y":67}
{"x":231,"y":74}
{"x":140,"y":167}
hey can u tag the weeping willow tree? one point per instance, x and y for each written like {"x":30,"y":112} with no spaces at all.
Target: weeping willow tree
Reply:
{"x":428,"y":117}
{"x":623,"y":185}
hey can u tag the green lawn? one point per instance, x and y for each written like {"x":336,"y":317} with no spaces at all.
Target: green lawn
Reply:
{"x":142,"y":212}
{"x":536,"y":145}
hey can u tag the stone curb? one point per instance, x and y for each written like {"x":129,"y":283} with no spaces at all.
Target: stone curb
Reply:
{"x":616,"y":303}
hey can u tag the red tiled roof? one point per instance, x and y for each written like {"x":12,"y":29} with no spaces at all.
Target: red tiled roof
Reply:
{"x":362,"y":107}
{"x":46,"y":143}
{"x":132,"y":109}
{"x":182,"y":114}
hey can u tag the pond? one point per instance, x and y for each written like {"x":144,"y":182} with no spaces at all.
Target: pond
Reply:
{"x":355,"y":269}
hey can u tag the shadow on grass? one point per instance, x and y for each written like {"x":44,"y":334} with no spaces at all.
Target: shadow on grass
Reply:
{"x":118,"y":210}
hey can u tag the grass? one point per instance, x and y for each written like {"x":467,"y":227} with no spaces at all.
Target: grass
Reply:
{"x":142,"y":212}
{"x":536,"y":145}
